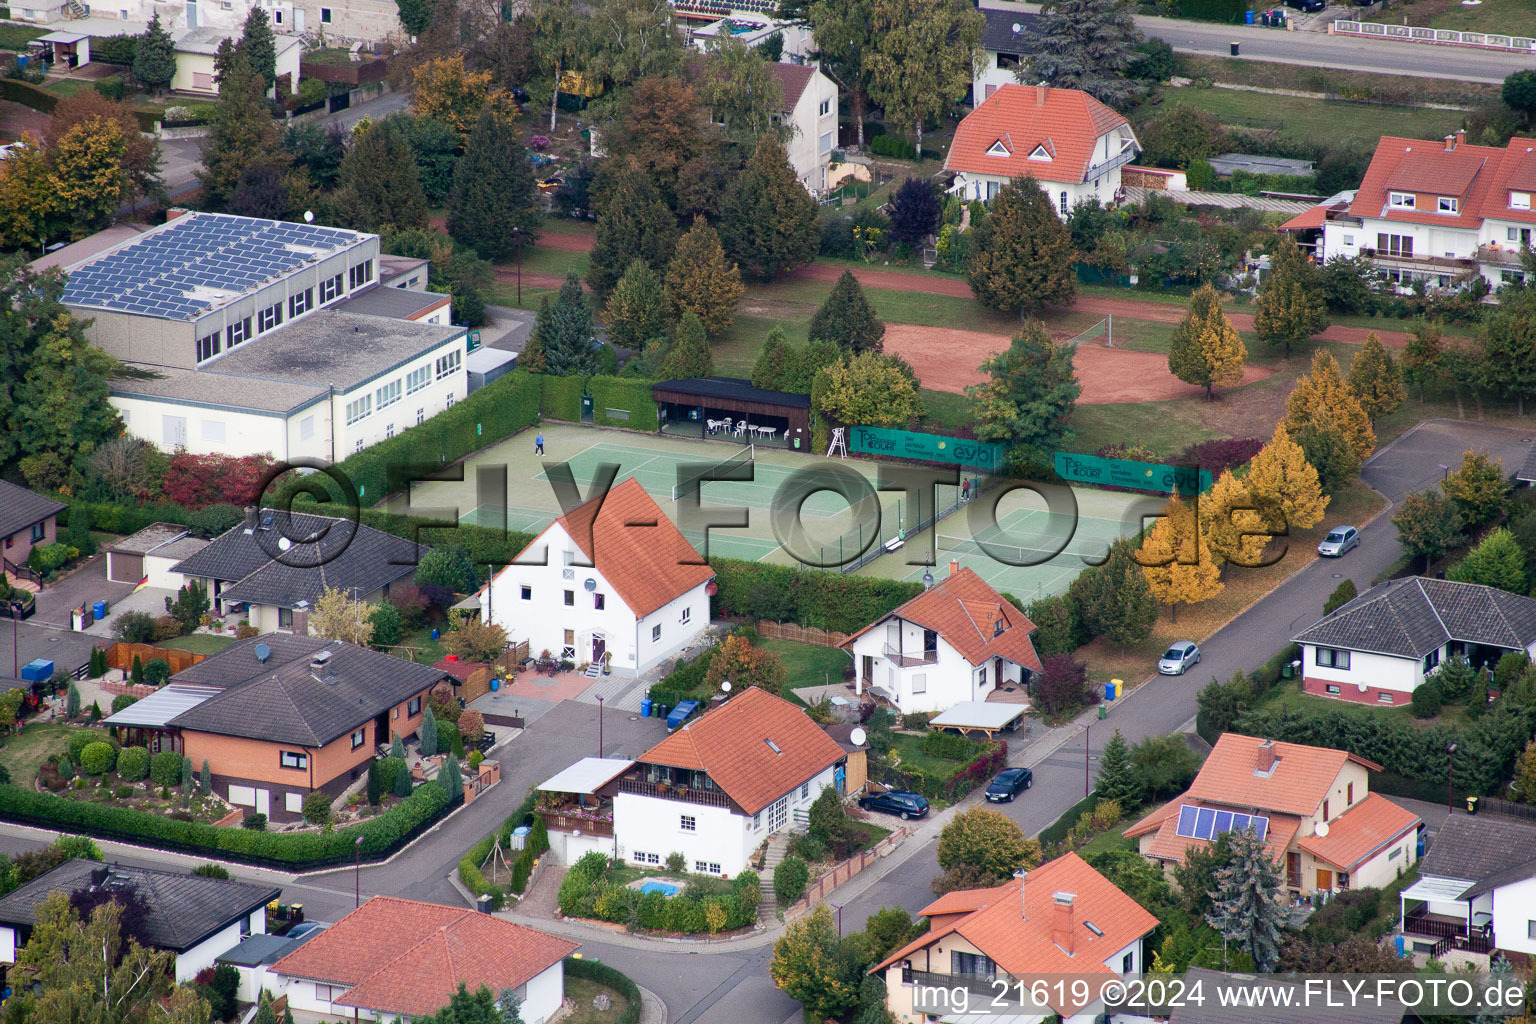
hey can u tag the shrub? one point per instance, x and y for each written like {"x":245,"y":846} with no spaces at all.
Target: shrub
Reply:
{"x":950,"y":746}
{"x":98,"y":758}
{"x":49,"y":558}
{"x":134,"y":627}
{"x":133,"y":764}
{"x":790,"y":879}
{"x":165,"y":769}
{"x":123,"y":700}
{"x":810,"y":597}
{"x":82,"y":738}
{"x":472,"y":726}
{"x":317,"y":808}
{"x":1427,"y":699}
{"x":891,"y":146}
{"x":211,"y":871}
{"x":676,"y":862}
{"x":1220,"y":455}
{"x":157,"y":671}
{"x":123,"y":792}
{"x":212,"y":520}
{"x":254,"y":821}
{"x":166,"y":627}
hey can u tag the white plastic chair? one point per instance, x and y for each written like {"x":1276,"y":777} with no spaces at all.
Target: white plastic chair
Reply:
{"x":741,"y":428}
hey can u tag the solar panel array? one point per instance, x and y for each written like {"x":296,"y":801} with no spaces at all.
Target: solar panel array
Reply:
{"x":155,"y":275}
{"x":1208,"y":822}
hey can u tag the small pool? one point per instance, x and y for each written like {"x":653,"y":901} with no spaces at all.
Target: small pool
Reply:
{"x":665,"y":888}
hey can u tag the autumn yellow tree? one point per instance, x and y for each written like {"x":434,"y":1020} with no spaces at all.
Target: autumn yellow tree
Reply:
{"x":447,"y":91}
{"x":1324,"y":391}
{"x":27,"y":200}
{"x":1234,"y":530}
{"x":1177,"y":561}
{"x":1376,"y":378}
{"x":1284,"y":486}
{"x":88,"y":173}
{"x":701,"y":280}
{"x":1206,"y":349}
{"x":871,"y":388}
{"x":338,"y":617}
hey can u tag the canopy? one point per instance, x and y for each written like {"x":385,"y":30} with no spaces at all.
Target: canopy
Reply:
{"x":160,"y":707}
{"x":978,"y":714}
{"x":61,"y":37}
{"x":1437,"y":889}
{"x":586,"y":776}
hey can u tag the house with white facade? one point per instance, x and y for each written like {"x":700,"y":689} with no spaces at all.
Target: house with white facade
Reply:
{"x":1061,"y":919}
{"x":1476,"y":890}
{"x":959,"y":640}
{"x":612,"y":582}
{"x":1006,"y":43}
{"x":395,"y":959}
{"x":723,"y":783}
{"x":192,"y":917}
{"x":197,"y":47}
{"x":753,"y":30}
{"x":324,"y":22}
{"x":1380,"y":647}
{"x":810,"y":109}
{"x":1072,"y":145}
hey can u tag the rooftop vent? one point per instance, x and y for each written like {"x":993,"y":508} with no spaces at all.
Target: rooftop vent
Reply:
{"x":320,"y":660}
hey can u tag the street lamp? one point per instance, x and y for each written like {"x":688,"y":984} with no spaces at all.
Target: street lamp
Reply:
{"x":15,"y":638}
{"x":357,"y":875}
{"x":1450,"y":777}
{"x":599,"y":725}
{"x":1087,"y":747}
{"x":517,"y":234}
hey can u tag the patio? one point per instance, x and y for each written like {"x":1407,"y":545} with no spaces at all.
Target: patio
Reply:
{"x":1437,"y":923}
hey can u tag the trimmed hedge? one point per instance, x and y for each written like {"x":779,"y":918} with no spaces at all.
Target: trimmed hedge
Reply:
{"x":538,"y":844}
{"x":595,"y":970}
{"x":629,"y":393}
{"x":381,"y":836}
{"x":990,"y":760}
{"x":28,"y":95}
{"x":587,"y":892}
{"x":1057,"y":830}
{"x":561,"y":397}
{"x":810,"y":597}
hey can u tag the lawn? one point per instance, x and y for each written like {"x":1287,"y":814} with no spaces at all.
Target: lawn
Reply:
{"x":504,"y":293}
{"x":1114,"y":838}
{"x":1288,"y":696}
{"x":1381,"y":88}
{"x":808,"y":664}
{"x":23,"y":754}
{"x":200,"y":643}
{"x":541,"y":259}
{"x":16,"y":37}
{"x":68,"y":86}
{"x":418,"y":646}
{"x":1306,"y":120}
{"x":582,"y":992}
{"x":909,"y":747}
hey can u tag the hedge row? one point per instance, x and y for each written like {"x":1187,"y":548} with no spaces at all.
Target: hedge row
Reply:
{"x":587,"y":892}
{"x":381,"y":836}
{"x":595,"y":970}
{"x":522,"y":866}
{"x":1057,"y":830}
{"x":628,"y":393}
{"x":561,"y":397}
{"x":954,"y":787}
{"x":28,"y":95}
{"x":811,"y":597}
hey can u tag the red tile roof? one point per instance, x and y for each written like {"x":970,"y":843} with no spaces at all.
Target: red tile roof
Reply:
{"x":730,"y":743}
{"x":1301,"y":778}
{"x":1310,"y":218}
{"x":964,"y":609}
{"x":627,"y":537}
{"x":1479,"y":176}
{"x":792,"y":78}
{"x":1360,"y":832}
{"x":408,"y":957}
{"x":1167,"y":844}
{"x":1064,"y":122}
{"x":1017,"y":934}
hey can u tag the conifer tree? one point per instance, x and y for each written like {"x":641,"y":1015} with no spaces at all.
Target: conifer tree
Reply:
{"x":154,"y":57}
{"x":379,"y":183}
{"x":564,"y":332}
{"x":1114,"y":598}
{"x":426,"y":736}
{"x":1342,"y":594}
{"x":1376,"y":378}
{"x":1117,"y":778}
{"x":689,"y":356}
{"x":847,"y":319}
{"x":636,"y":309}
{"x":242,"y":136}
{"x":1497,"y":561}
{"x":1325,"y":441}
{"x":768,"y":219}
{"x":1323,"y":393}
{"x":403,"y":782}
{"x":700,"y":280}
{"x":1030,"y":394}
{"x":632,"y":223}
{"x":493,"y":192}
{"x":259,"y":47}
{"x":1291,"y":307}
{"x":776,"y":362}
{"x":1176,"y":559}
{"x":1022,"y":256}
{"x":1087,"y":45}
{"x":1206,"y":349}
{"x":1245,"y":907}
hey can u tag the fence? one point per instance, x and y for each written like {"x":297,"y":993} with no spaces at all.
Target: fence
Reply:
{"x":801,"y":634}
{"x":1498,"y":805}
{"x":121,"y":656}
{"x":1436,"y":36}
{"x":842,"y":872}
{"x":878,"y":548}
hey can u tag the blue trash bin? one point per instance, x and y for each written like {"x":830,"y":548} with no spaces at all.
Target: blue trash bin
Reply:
{"x":645,"y":708}
{"x":434,"y":634}
{"x":495,"y":685}
{"x":99,"y":609}
{"x":1110,"y":691}
{"x":1247,"y":17}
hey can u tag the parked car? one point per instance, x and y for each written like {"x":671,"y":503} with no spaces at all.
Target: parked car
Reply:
{"x":1178,"y":659}
{"x":1306,"y":5}
{"x":1339,"y":540}
{"x":1008,"y":784}
{"x":903,"y":805}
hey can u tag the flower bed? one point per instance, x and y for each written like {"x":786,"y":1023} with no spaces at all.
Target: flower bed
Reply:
{"x":705,"y":906}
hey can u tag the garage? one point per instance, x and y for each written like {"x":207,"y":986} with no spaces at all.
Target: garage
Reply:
{"x":151,"y":555}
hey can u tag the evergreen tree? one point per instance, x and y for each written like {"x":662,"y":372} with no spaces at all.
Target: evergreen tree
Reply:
{"x":493,"y":190}
{"x":426,"y":736}
{"x":1291,"y":307}
{"x":259,"y":47}
{"x":205,"y":780}
{"x":689,"y":356}
{"x":1117,"y":779}
{"x":451,"y":779}
{"x":1342,"y":594}
{"x":1428,"y":525}
{"x":1456,"y":678}
{"x":768,"y":219}
{"x":1021,"y":255}
{"x":1325,"y":443}
{"x":1087,"y":45}
{"x":415,"y":15}
{"x":915,"y":210}
{"x":1206,"y":349}
{"x":1478,"y":487}
{"x":1323,"y":394}
{"x":700,"y":280}
{"x":379,"y":184}
{"x":1497,"y":561}
{"x":564,"y":332}
{"x":636,"y":309}
{"x":1176,"y":560}
{"x":397,"y":747}
{"x":1376,"y":378}
{"x":1114,"y":599}
{"x":779,"y":364}
{"x":1245,"y":907}
{"x":1030,"y":395}
{"x":154,"y":57}
{"x":242,"y":136}
{"x":847,"y":319}
{"x":375,"y":784}
{"x":403,"y":782}
{"x":72,"y":701}
{"x":633,"y":222}
{"x":1507,"y":348}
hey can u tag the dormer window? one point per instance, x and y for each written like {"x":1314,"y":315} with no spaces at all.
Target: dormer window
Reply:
{"x":997,"y":627}
{"x":1401,"y":200}
{"x":1040,"y":153}
{"x":1519,"y":200}
{"x":1448,"y":204}
{"x":999,"y":148}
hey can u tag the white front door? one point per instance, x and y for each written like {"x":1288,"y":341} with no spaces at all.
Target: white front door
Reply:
{"x":264,"y":802}
{"x":778,"y":815}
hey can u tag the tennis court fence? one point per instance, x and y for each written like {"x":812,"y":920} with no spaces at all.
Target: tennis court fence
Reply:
{"x":719,"y":471}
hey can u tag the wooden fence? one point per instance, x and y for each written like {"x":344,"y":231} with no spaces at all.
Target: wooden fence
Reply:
{"x":801,"y":634}
{"x":840,"y":873}
{"x":121,"y":656}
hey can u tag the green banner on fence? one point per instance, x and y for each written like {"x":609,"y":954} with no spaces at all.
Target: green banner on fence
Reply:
{"x":906,"y":444}
{"x":1141,"y":476}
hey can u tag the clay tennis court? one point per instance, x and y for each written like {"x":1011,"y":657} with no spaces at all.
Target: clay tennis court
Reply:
{"x":946,"y":359}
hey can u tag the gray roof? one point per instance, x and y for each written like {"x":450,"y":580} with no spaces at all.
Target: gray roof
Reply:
{"x":155,"y":535}
{"x":1488,"y":850}
{"x":1211,"y":1010}
{"x":391,"y":267}
{"x":288,"y":698}
{"x":400,"y":303}
{"x":731,"y":389}
{"x":1527,"y":472}
{"x":20,"y":509}
{"x":1226,"y":163}
{"x":999,"y":34}
{"x":183,"y":909}
{"x":1408,"y":618}
{"x":216,"y":390}
{"x":256,"y":950}
{"x":321,"y":552}
{"x":198,"y":262}
{"x":161,"y":706}
{"x":332,"y":348}
{"x":90,"y":245}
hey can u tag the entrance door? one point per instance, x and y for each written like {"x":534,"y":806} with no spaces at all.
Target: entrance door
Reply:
{"x":1293,"y":870}
{"x":778,"y":815}
{"x":599,"y":646}
{"x":1324,"y":879}
{"x":264,"y":802}
{"x":868,"y":675}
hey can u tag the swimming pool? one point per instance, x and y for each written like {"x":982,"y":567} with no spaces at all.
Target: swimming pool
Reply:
{"x":665,"y":888}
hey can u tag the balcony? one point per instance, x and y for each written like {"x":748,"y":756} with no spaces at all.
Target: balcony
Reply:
{"x":1501,"y":256}
{"x":671,"y":791}
{"x":1120,"y":159}
{"x":1439,"y":264}
{"x":1448,"y":933}
{"x":588,"y":823}
{"x":907,"y":659}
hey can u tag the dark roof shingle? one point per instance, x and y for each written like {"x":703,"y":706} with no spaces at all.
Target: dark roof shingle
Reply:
{"x":20,"y":508}
{"x":1482,"y":849}
{"x":1408,"y":618}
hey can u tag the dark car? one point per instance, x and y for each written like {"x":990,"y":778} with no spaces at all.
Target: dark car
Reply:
{"x":903,"y":805}
{"x":1306,"y":5}
{"x":1008,"y":784}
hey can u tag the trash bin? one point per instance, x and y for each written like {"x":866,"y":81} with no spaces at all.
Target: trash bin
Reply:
{"x":99,"y":609}
{"x":1471,"y":805}
{"x":1398,"y":941}
{"x":1263,"y":19}
{"x":1248,"y":19}
{"x":434,"y":634}
{"x":495,"y":685}
{"x":1112,"y":689}
{"x":1235,"y":48}
{"x":519,"y":838}
{"x":1103,"y":712}
{"x":1286,"y":672}
{"x":645,"y":707}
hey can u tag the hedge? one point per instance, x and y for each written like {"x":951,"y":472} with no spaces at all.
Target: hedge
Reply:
{"x":1057,"y":830}
{"x":596,"y":970}
{"x":381,"y":836}
{"x":811,"y":597}
{"x":522,"y":866}
{"x":561,"y":397}
{"x":629,"y":393}
{"x":586,"y":892}
{"x":28,"y":95}
{"x":987,"y":763}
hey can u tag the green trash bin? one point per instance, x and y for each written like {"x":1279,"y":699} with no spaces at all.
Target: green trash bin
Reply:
{"x":1103,"y":713}
{"x":1286,"y":671}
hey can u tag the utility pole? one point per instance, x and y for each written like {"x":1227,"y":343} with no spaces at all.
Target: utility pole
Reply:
{"x":1087,"y":746}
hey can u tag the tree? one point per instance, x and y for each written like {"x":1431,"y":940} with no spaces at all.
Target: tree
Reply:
{"x":633,"y":222}
{"x":1031,"y":393}
{"x":1117,"y":779}
{"x":447,"y":91}
{"x":700,"y":280}
{"x":385,"y":618}
{"x":337,"y":616}
{"x":448,"y":567}
{"x":88,"y":178}
{"x":1349,"y":284}
{"x":190,"y":606}
{"x":688,"y":357}
{"x":1245,"y":907}
{"x":379,"y":184}
{"x":922,"y":59}
{"x":1291,"y":307}
{"x":242,"y":135}
{"x":1176,"y":560}
{"x":1114,"y":599}
{"x":426,"y":735}
{"x":29,"y":211}
{"x":743,"y":665}
{"x":205,"y":780}
{"x":742,"y":93}
{"x":915,"y":210}
{"x":1178,"y":134}
{"x":1206,"y":349}
{"x":844,"y":33}
{"x":768,"y":219}
{"x":1021,"y":255}
{"x":259,"y":47}
{"x":1322,"y":395}
{"x":1497,"y":561}
{"x":473,"y":639}
{"x":154,"y":57}
{"x":871,"y":388}
{"x":806,"y":966}
{"x":661,"y":129}
{"x":1063,"y":685}
{"x":1342,"y":594}
{"x":478,"y":1007}
{"x":1519,"y":93}
{"x":1478,"y":487}
{"x":989,"y":841}
{"x":1376,"y":378}
{"x":1165,"y":765}
{"x":847,"y":319}
{"x":1087,"y":45}
{"x":139,"y":157}
{"x":778,"y":362}
{"x":493,"y":198}
{"x":888,"y":929}
{"x":636,"y":310}
{"x":1428,"y":525}
{"x":450,"y":778}
{"x":1285,"y":490}
{"x":1505,"y":360}
{"x":563,"y":332}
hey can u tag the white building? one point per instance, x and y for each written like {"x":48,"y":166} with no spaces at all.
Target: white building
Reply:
{"x":196,"y":48}
{"x":1477,"y":886}
{"x":957,"y":641}
{"x":1379,"y":647}
{"x":717,"y":788}
{"x":755,"y":29}
{"x":810,"y":108}
{"x":324,"y":22}
{"x":1072,"y":145}
{"x":602,"y":585}
{"x":1006,"y":42}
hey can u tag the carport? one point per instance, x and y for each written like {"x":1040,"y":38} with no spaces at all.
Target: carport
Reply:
{"x":150,"y":555}
{"x":986,"y":717}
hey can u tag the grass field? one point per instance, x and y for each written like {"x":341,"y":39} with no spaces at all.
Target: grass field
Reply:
{"x":16,"y":37}
{"x":910,"y":748}
{"x":581,"y":992}
{"x":23,"y":754}
{"x":808,"y":664}
{"x":200,"y":643}
{"x":1506,"y":17}
{"x":1308,"y":120}
{"x":68,"y":86}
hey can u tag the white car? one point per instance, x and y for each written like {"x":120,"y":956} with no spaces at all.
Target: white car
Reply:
{"x":1178,"y":659}
{"x":1339,"y":540}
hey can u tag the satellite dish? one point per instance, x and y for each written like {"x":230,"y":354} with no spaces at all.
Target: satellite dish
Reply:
{"x":1361,"y":687}
{"x":590,"y":584}
{"x":1321,"y":830}
{"x":263,"y":652}
{"x":283,"y":543}
{"x":725,"y":685}
{"x":309,"y":215}
{"x":857,"y":737}
{"x":1017,"y":28}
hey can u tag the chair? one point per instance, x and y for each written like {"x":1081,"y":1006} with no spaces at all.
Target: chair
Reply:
{"x":741,"y":428}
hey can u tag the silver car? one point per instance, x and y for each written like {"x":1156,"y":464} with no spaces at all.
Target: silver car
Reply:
{"x":1178,"y":659}
{"x":1339,"y":540}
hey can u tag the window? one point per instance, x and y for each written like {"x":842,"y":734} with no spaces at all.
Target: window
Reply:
{"x":1447,"y":204}
{"x":39,"y":531}
{"x":1333,"y":689}
{"x":527,"y":593}
{"x":1349,"y":794}
{"x":1349,"y":241}
{"x":330,"y":288}
{"x":570,"y":598}
{"x":306,"y":428}
{"x":1401,"y":200}
{"x":421,"y":415}
{"x":289,"y":759}
{"x":1431,"y":659}
{"x":389,"y":430}
{"x":653,"y":858}
{"x":973,"y":964}
{"x":325,"y":15}
{"x":301,"y":302}
{"x":414,"y":707}
{"x":655,"y":633}
{"x":418,"y":379}
{"x":1325,"y":810}
{"x":360,"y":274}
{"x":294,"y":802}
{"x":285,"y":618}
{"x":706,"y":867}
{"x":447,"y":364}
{"x":1128,"y":963}
{"x":1519,"y":200}
{"x":213,"y":430}
{"x":1328,"y":657}
{"x":1383,"y":698}
{"x":1007,"y":61}
{"x":277,"y":17}
{"x":805,"y":790}
{"x":1530,"y":929}
{"x":599,"y":601}
{"x":757,"y":821}
{"x":688,"y":823}
{"x":389,"y":394}
{"x":357,"y":739}
{"x":269,"y":318}
{"x":687,"y":614}
{"x":824,"y":144}
{"x":1394,"y":245}
{"x":326,"y":993}
{"x":919,"y":682}
{"x":237,"y":332}
{"x":825,"y":108}
{"x":1062,"y":202}
{"x":358,"y":446}
{"x":208,"y":347}
{"x":1397,"y":851}
{"x":997,"y":627}
{"x":359,"y":409}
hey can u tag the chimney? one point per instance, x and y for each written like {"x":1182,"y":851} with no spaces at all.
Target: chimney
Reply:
{"x":954,"y":566}
{"x":1040,"y":93}
{"x":301,"y":619}
{"x":1023,"y":904}
{"x":1266,"y":757}
{"x":1061,"y":922}
{"x":320,"y":661}
{"x":99,"y":876}
{"x":1461,"y":136}
{"x":1450,"y":143}
{"x":174,"y":212}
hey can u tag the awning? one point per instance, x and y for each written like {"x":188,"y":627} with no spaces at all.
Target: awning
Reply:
{"x":586,"y":776}
{"x":160,"y":707}
{"x":1440,"y":890}
{"x":978,"y":714}
{"x":61,"y":37}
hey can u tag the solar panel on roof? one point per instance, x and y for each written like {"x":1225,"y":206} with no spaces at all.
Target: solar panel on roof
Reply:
{"x":1208,"y":823}
{"x":1186,"y":826}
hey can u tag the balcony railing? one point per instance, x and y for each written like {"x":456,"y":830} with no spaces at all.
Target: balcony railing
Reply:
{"x":1120,"y":159}
{"x":668,"y":791}
{"x":1449,"y":933}
{"x":557,"y":821}
{"x":906,"y":659}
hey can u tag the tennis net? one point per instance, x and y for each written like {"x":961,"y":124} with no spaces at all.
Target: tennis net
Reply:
{"x":1014,"y":553}
{"x":719,"y":471}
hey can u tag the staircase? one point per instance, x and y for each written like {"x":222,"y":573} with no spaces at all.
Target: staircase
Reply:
{"x":768,"y":904}
{"x":77,"y":9}
{"x":20,"y":581}
{"x":593,"y":671}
